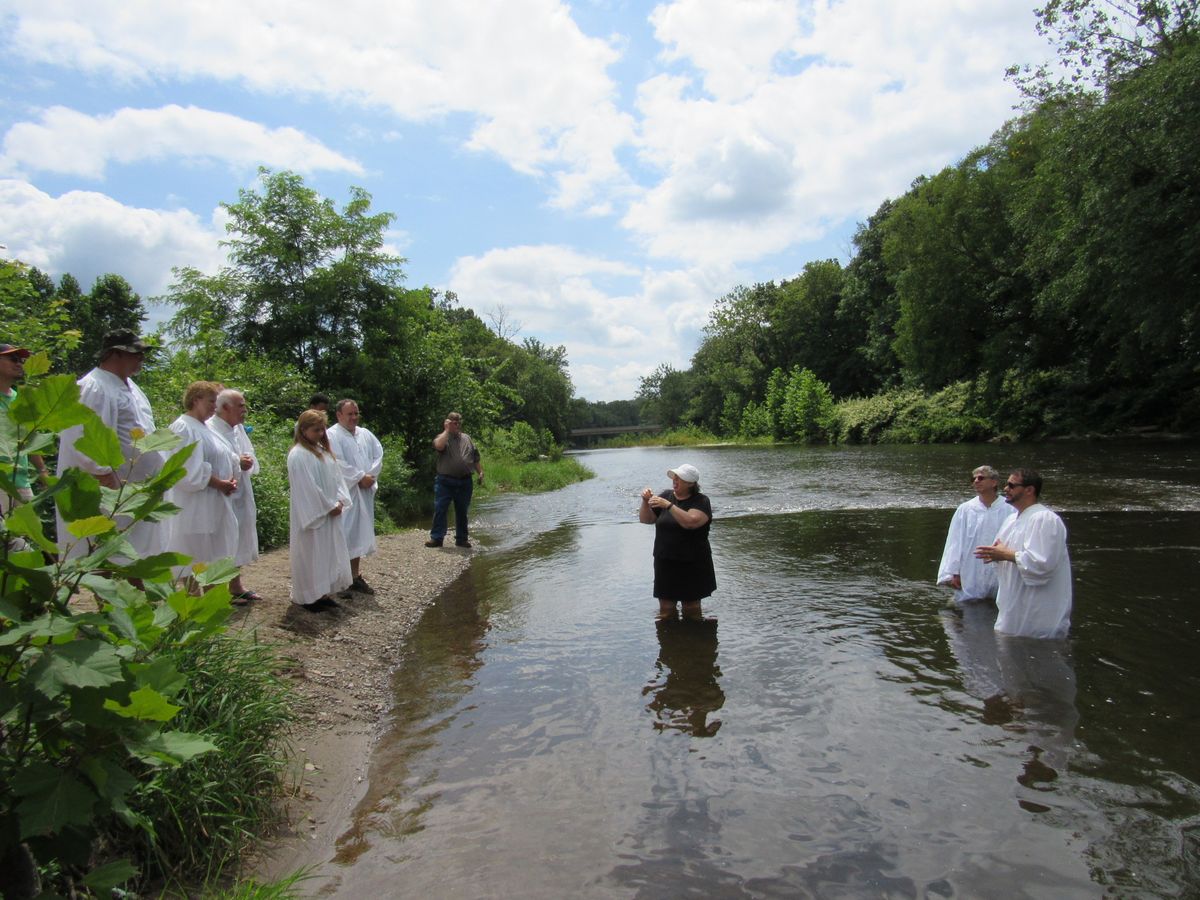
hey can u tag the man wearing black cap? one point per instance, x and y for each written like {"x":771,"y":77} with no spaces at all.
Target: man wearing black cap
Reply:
{"x":109,"y":390}
{"x":12,"y":370}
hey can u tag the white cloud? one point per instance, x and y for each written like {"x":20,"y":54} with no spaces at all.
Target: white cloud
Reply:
{"x":68,"y":142}
{"x":618,"y":323}
{"x":849,"y":101}
{"x":536,"y":85}
{"x":89,"y":234}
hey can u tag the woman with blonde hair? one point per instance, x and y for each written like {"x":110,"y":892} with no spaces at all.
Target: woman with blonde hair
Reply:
{"x":319,"y":558}
{"x":206,"y":527}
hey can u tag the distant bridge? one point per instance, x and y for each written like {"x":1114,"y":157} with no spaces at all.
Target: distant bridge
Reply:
{"x":586,"y":435}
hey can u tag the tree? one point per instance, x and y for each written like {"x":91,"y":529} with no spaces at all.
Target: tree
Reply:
{"x":310,"y":274}
{"x":1099,"y":42}
{"x":110,"y":304}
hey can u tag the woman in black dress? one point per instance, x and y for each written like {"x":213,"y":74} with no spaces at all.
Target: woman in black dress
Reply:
{"x":683,"y":565}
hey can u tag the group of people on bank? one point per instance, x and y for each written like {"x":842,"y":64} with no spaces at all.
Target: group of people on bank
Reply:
{"x":1013,"y":551}
{"x":333,"y":473}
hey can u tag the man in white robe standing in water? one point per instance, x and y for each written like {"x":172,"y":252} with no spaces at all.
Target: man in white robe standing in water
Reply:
{"x":360,"y":456}
{"x":110,"y":392}
{"x":229,"y":425}
{"x":1033,"y":564}
{"x":975,"y":522}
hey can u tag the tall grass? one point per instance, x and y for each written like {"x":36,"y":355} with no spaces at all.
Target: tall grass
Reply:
{"x":206,"y":813}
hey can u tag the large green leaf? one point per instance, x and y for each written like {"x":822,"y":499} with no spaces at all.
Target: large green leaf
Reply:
{"x":159,"y":440}
{"x":216,"y":572}
{"x":28,"y":566}
{"x":50,"y":405}
{"x":77,"y":495}
{"x":158,"y":566}
{"x":91,"y":526}
{"x":103,"y":879}
{"x":99,"y":443}
{"x":24,"y":521}
{"x":209,"y":607}
{"x":145,"y":703}
{"x":45,"y":626}
{"x":172,"y":747}
{"x":52,"y":800}
{"x":161,"y":674}
{"x":82,"y":664}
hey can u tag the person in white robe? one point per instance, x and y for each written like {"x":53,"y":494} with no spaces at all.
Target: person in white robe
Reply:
{"x":319,"y":559}
{"x":206,"y":527}
{"x":110,"y":392}
{"x":229,"y":424}
{"x":1034,"y":566}
{"x":360,"y":456}
{"x":975,"y":522}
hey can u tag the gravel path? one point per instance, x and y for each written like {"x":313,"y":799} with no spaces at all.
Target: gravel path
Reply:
{"x":340,"y":664}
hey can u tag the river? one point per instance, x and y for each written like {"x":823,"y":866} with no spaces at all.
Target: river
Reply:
{"x":834,"y":730}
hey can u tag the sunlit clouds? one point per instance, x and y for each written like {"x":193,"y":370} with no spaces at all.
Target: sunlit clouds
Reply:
{"x":603,"y":172}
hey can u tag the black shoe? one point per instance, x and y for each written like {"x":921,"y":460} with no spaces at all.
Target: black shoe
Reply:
{"x":462,"y":543}
{"x":361,"y":586}
{"x":320,"y":605}
{"x":433,"y":542}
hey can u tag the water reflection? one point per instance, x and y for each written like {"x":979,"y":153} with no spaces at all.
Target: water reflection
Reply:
{"x":1027,"y":687}
{"x":685,"y":690}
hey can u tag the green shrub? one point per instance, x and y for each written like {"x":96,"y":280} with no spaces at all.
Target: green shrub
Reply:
{"x":94,"y":691}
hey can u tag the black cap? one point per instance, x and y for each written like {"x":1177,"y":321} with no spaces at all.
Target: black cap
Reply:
{"x":125,"y":339}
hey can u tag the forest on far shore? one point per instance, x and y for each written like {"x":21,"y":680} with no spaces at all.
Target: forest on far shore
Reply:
{"x":1046,"y":285}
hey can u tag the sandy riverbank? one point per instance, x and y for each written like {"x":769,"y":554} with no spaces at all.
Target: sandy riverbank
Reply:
{"x":341,"y":665}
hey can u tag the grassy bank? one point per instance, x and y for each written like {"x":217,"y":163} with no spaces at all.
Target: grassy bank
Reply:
{"x":505,"y":475}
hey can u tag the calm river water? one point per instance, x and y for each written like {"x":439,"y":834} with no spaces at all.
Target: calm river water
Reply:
{"x":836,"y":732}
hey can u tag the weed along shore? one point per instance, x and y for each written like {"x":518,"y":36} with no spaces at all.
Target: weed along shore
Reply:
{"x":339,"y":663}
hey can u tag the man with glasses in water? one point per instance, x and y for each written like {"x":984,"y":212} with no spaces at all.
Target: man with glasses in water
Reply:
{"x":1033,"y":564}
{"x":975,"y":522}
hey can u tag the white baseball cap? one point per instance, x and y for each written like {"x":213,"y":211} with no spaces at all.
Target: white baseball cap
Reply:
{"x":686,"y":473}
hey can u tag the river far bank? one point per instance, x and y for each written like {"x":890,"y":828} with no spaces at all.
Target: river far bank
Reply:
{"x":339,"y":664}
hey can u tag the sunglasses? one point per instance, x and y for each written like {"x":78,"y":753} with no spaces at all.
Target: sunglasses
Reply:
{"x":1008,"y":485}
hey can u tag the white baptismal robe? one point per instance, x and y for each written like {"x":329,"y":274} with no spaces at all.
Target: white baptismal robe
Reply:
{"x":205,"y":528}
{"x":122,"y":406}
{"x":244,"y":506}
{"x":972,"y":525}
{"x":358,"y":454}
{"x":1035,"y":592}
{"x":320,"y":562}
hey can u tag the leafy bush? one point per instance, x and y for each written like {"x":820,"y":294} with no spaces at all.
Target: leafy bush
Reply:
{"x":522,"y":443}
{"x":93,"y":687}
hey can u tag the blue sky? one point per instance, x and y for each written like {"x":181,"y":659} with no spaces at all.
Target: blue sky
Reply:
{"x":595,"y":174}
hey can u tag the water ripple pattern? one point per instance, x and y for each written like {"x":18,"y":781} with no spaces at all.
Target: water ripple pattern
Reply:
{"x":832,"y":730}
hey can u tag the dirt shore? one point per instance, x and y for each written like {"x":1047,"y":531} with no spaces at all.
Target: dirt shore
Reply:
{"x":340,"y":663}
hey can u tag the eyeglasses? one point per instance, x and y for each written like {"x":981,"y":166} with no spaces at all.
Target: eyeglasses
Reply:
{"x":981,"y":478}
{"x":1008,"y":485}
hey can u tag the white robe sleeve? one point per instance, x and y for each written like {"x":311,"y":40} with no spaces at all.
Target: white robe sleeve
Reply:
{"x":198,"y":470}
{"x":1043,"y":550}
{"x":373,"y":451}
{"x":955,"y":540}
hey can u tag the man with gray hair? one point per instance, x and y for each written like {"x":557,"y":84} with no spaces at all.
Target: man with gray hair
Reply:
{"x":229,"y":424}
{"x":975,"y":522}
{"x":360,"y":456}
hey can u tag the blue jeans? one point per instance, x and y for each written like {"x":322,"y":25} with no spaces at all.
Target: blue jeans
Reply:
{"x":445,"y":490}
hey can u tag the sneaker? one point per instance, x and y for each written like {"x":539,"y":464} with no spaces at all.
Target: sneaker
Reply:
{"x":361,"y":586}
{"x":433,"y":542}
{"x":462,"y":543}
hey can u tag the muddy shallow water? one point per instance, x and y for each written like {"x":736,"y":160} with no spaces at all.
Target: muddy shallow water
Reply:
{"x":835,"y":732}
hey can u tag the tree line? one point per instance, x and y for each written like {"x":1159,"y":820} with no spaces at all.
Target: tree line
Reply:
{"x":309,"y":300}
{"x":1046,"y":284}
